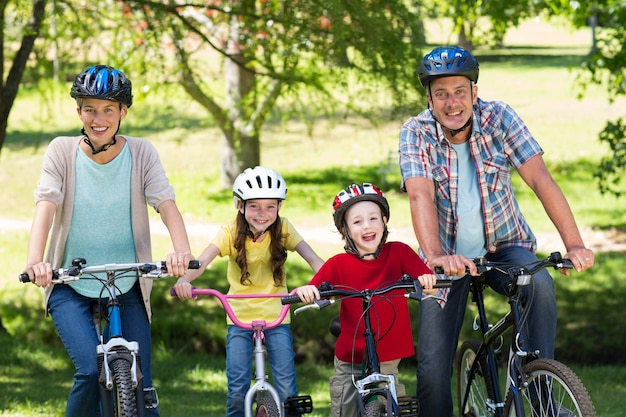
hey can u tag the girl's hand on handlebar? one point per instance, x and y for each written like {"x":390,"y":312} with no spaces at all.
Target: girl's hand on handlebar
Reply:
{"x":183,"y":289}
{"x":428,"y":281}
{"x":40,"y":274}
{"x":453,"y":265}
{"x":308,"y":293}
{"x":177,"y":263}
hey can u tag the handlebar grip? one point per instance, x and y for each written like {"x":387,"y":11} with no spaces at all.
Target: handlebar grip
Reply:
{"x":195,"y":264}
{"x":290,"y":299}
{"x":438,"y":270}
{"x":444,"y":283}
{"x":173,"y":292}
{"x":24,"y":278}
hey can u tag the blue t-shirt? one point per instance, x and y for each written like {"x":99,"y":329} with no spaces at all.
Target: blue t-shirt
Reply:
{"x":471,"y":228}
{"x":101,"y":230}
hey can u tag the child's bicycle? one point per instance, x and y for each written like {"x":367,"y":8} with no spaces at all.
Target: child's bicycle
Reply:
{"x":261,"y":393}
{"x":376,"y":391}
{"x":534,"y":387}
{"x":122,"y":392}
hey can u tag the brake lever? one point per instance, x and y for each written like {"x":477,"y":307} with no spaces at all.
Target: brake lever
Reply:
{"x":317,"y":305}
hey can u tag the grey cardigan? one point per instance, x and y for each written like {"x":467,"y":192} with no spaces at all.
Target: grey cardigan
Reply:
{"x":149,"y":185}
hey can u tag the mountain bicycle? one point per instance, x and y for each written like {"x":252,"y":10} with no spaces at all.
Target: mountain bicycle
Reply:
{"x":376,"y":391}
{"x":534,"y":386}
{"x":122,"y":393}
{"x":261,"y":393}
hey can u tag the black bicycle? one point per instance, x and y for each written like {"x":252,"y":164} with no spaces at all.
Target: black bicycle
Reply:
{"x":377,"y":391}
{"x":534,"y":387}
{"x":122,"y":393}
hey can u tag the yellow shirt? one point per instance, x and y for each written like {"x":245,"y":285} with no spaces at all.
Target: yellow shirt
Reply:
{"x":261,"y":278}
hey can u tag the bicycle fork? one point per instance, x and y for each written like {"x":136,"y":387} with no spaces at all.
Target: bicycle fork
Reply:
{"x":261,"y":384}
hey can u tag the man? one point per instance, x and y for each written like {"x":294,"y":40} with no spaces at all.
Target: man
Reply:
{"x":455,"y":159}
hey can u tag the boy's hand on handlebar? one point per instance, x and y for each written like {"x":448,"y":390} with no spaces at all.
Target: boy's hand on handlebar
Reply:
{"x":581,"y":257}
{"x":40,"y":274}
{"x":177,"y":263}
{"x":428,"y":281}
{"x":453,"y":265}
{"x":308,"y":293}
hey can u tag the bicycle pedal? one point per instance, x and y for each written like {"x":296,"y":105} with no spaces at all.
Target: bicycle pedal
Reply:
{"x":409,"y":407}
{"x":302,"y":404}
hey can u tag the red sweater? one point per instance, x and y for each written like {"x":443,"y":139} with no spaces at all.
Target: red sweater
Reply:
{"x":389,"y":313}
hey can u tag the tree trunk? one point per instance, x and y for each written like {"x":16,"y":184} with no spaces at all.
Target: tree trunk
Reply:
{"x":241,"y":147}
{"x":8,"y":90}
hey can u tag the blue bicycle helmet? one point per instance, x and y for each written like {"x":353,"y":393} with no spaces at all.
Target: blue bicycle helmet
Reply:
{"x":103,"y":82}
{"x":447,"y":61}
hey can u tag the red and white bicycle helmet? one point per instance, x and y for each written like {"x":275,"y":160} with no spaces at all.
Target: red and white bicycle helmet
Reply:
{"x":259,"y":183}
{"x":355,"y":193}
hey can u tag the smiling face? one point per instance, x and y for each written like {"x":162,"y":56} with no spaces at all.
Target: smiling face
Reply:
{"x":366,"y":226}
{"x":260,"y":214}
{"x":101,"y":119}
{"x":451,"y":100}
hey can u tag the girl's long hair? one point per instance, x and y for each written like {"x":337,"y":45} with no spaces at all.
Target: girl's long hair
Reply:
{"x":278,"y":253}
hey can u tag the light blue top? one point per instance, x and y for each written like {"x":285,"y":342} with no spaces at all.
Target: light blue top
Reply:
{"x":471,"y":231}
{"x":101,"y":230}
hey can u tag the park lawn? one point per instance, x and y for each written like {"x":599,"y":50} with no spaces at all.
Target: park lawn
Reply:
{"x":535,"y":79}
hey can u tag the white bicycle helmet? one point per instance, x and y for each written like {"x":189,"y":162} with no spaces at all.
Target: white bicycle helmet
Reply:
{"x":259,"y":183}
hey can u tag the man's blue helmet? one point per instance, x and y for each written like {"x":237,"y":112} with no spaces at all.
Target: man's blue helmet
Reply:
{"x":447,"y":61}
{"x":103,"y":82}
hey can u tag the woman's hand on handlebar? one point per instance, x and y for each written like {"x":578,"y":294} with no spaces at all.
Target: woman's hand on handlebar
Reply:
{"x":453,"y":265}
{"x":308,"y":293}
{"x":40,"y":274}
{"x":177,"y":263}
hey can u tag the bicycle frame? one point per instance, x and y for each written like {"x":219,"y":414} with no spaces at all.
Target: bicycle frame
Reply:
{"x":258,"y":328}
{"x":516,"y":381}
{"x":112,"y":345}
{"x":373,"y":383}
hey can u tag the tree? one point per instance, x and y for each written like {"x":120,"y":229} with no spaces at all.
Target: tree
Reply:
{"x":605,"y":66}
{"x":260,"y":51}
{"x":30,"y":32}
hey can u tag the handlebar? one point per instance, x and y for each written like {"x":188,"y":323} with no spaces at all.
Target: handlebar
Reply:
{"x":555,"y":260}
{"x":153,"y":270}
{"x":223,"y":298}
{"x":328,"y":292}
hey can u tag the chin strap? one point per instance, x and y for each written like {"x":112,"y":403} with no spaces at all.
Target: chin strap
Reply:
{"x":454,"y":132}
{"x":95,"y":151}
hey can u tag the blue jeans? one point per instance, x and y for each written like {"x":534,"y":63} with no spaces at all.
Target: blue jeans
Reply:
{"x":72,"y":317}
{"x":239,"y":361}
{"x":439,"y":330}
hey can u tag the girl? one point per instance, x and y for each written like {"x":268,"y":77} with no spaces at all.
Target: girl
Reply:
{"x":360,"y":213}
{"x":256,"y":244}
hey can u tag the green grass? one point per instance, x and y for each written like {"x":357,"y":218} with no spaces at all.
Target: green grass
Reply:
{"x":35,"y":372}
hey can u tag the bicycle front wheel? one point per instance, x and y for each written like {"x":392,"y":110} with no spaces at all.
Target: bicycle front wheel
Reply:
{"x":474,"y":393}
{"x":554,"y":390}
{"x":124,"y":394}
{"x":266,"y":406}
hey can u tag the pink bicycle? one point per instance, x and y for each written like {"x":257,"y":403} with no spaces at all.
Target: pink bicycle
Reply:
{"x":261,"y":393}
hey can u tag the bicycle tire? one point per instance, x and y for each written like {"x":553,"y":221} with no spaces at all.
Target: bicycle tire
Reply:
{"x":567,"y":395}
{"x":480,"y":392}
{"x":374,"y":408}
{"x":123,"y":392}
{"x":266,"y":406}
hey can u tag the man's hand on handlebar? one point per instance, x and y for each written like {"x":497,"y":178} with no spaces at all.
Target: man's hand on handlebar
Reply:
{"x":581,"y":257}
{"x":453,"y":265}
{"x":308,"y":293}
